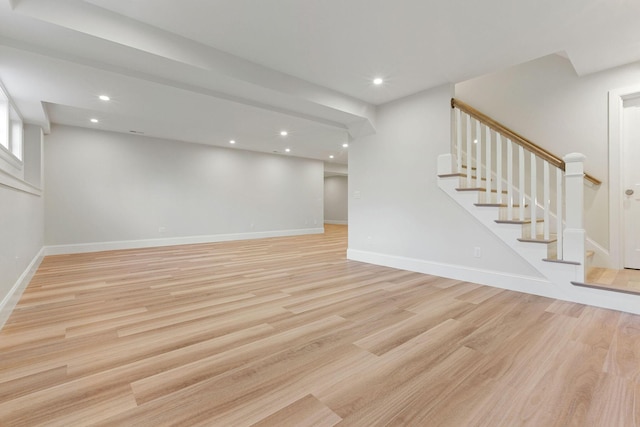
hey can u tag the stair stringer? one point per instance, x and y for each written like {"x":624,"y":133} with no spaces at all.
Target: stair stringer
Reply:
{"x":559,"y":275}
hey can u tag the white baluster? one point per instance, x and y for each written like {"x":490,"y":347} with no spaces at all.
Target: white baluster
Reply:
{"x":534,"y":195}
{"x":499,"y":167}
{"x":487,"y":160}
{"x":478,"y":138}
{"x":521,"y":188}
{"x":510,"y":183}
{"x":469,"y":152}
{"x":547,"y":202}
{"x":559,"y":211}
{"x":458,"y":119}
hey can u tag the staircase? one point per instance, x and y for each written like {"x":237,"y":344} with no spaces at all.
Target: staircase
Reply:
{"x":529,"y":198}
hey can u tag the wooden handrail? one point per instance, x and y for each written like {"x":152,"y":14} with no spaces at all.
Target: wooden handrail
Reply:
{"x":518,"y":139}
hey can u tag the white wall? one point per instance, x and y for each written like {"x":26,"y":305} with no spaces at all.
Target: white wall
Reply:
{"x":33,"y":165}
{"x":21,"y":236}
{"x":21,"y":225}
{"x":397,"y":214}
{"x":105,"y":187}
{"x":335,"y":199}
{"x":545,"y":101}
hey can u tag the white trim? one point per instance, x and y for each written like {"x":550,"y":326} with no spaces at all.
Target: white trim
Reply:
{"x":10,"y":300}
{"x":329,"y":221}
{"x":15,"y":183}
{"x":513,"y":282}
{"x":616,"y":222}
{"x":7,"y":153}
{"x":171,"y":241}
{"x":10,"y":158}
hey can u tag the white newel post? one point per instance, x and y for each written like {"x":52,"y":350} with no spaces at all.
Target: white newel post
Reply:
{"x":574,"y":233}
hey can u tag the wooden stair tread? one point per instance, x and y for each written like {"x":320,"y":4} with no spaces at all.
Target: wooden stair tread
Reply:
{"x":517,"y":221}
{"x":458,"y":175}
{"x":605,"y":287}
{"x":496,"y":205}
{"x":560,"y":261}
{"x":478,"y":189}
{"x":539,"y":239}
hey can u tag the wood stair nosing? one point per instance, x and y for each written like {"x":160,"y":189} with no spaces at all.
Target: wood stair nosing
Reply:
{"x":587,"y":254}
{"x":478,"y":189}
{"x":541,"y":239}
{"x":517,"y":221}
{"x":560,"y":261}
{"x":459,"y":175}
{"x":605,"y":288}
{"x":496,"y":205}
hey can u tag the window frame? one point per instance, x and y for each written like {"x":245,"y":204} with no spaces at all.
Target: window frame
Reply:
{"x":13,"y":151}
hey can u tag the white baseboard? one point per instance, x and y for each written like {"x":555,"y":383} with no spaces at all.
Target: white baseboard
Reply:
{"x":329,"y":221}
{"x":171,"y":241}
{"x":529,"y":284}
{"x":11,"y":299}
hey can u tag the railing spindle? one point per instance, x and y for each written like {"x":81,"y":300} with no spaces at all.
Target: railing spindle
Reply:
{"x":534,"y":195}
{"x":458,"y":130}
{"x":510,"y":183}
{"x":499,"y":167}
{"x":559,"y":212}
{"x":521,"y":189}
{"x":469,"y":152}
{"x":488,"y":155}
{"x":547,"y":202}
{"x":478,"y":142}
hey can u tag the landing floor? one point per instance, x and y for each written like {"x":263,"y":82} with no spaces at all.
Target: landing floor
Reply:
{"x":625,"y":280}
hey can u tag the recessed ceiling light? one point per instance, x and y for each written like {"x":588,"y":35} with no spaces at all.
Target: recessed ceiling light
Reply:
{"x":94,"y":120}
{"x":284,"y":133}
{"x":475,"y":141}
{"x":345,"y":145}
{"x":331,"y":156}
{"x":232,"y":142}
{"x":378,"y":81}
{"x":287,"y":150}
{"x":104,"y":98}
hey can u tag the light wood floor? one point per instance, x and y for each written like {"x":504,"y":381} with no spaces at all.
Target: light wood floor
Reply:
{"x":621,"y":280}
{"x":287,"y":332}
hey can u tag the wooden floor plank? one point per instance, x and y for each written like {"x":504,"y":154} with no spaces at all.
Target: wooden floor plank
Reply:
{"x":287,"y":331}
{"x":307,"y":411}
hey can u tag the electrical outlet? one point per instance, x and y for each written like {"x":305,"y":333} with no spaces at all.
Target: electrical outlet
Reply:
{"x":476,"y":252}
{"x":162,"y":229}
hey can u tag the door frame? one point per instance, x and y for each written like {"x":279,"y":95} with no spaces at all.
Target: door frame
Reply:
{"x":616,"y":173}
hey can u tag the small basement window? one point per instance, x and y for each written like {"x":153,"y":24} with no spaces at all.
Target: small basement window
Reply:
{"x":16,"y":140}
{"x":11,"y":130}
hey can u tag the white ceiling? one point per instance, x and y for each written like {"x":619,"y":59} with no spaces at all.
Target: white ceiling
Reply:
{"x":209,"y":71}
